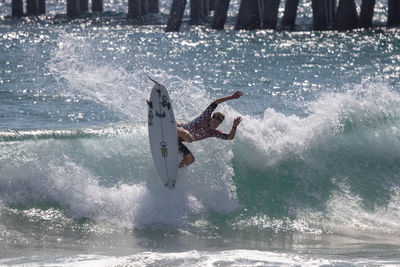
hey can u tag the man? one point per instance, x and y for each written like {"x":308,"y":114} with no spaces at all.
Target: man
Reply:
{"x":205,"y":126}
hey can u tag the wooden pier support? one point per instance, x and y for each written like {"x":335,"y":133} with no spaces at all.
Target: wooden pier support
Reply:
{"x":367,"y":12}
{"x":211,"y":4}
{"x":176,"y":15}
{"x":17,"y":8}
{"x":249,"y":16}
{"x":206,"y":8}
{"x":134,"y":8}
{"x":393,"y":13}
{"x":220,"y":14}
{"x":35,"y":7}
{"x":199,"y":9}
{"x":73,"y":8}
{"x":253,"y":14}
{"x":42,"y":7}
{"x":268,"y":10}
{"x":153,"y":6}
{"x":196,"y":9}
{"x":145,"y":7}
{"x":323,"y":14}
{"x":289,"y":17}
{"x":346,"y":16}
{"x":97,"y":5}
{"x":84,"y":6}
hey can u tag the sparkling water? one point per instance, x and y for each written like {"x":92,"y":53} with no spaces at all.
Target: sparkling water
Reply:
{"x":312,"y":177}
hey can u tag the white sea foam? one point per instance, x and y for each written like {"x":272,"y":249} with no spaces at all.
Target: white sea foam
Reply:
{"x":142,"y":201}
{"x":205,"y":185}
{"x":344,"y":153}
{"x":331,"y":139}
{"x":371,"y":104}
{"x":198,"y":258}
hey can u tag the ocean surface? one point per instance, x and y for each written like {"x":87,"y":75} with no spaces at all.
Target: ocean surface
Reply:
{"x":312,"y":177}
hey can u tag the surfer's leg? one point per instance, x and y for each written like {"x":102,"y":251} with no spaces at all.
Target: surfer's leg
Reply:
{"x":188,"y":157}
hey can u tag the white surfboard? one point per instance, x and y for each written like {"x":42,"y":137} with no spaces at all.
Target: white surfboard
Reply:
{"x":163,"y":135}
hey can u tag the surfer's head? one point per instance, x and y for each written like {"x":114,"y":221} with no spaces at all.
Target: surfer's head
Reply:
{"x":216,"y":119}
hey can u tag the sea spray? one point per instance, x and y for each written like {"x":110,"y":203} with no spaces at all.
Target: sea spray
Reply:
{"x":336,"y":165}
{"x":79,"y":70}
{"x":115,"y":160}
{"x":109,"y":178}
{"x":209,"y":180}
{"x":286,"y":171}
{"x":311,"y":174}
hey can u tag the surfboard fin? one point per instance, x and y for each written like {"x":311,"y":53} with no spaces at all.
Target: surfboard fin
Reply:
{"x":170,"y":184}
{"x":151,"y":79}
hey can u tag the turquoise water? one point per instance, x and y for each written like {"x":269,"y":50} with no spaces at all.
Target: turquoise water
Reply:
{"x":312,"y":177}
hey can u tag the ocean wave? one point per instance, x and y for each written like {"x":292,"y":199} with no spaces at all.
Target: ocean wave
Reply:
{"x":106,"y":173}
{"x":342,"y":158}
{"x":335,"y":168}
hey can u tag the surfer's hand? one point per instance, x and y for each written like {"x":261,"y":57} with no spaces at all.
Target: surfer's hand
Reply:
{"x":237,"y":121}
{"x":237,"y":94}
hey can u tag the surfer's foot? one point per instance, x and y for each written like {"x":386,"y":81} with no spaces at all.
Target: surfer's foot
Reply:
{"x":186,"y":161}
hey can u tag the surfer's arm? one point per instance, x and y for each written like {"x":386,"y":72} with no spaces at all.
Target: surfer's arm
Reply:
{"x":236,"y":95}
{"x":236,"y":123}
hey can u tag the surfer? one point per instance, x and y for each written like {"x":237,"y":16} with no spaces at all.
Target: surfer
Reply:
{"x":205,"y":126}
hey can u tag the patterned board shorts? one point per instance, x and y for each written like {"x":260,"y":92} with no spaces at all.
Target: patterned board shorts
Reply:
{"x":182,"y":148}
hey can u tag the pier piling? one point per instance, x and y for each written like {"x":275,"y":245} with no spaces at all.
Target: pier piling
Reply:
{"x":196,"y":11}
{"x":97,"y":5}
{"x":268,"y":13}
{"x":367,"y":12}
{"x":253,"y":14}
{"x":346,"y":16}
{"x":17,"y":8}
{"x":73,"y":8}
{"x":323,"y":14}
{"x":153,"y":6}
{"x":42,"y":7}
{"x":220,"y":14}
{"x":84,"y":6}
{"x":31,"y":7}
{"x":134,"y":8}
{"x":289,"y":17}
{"x":199,"y":9}
{"x":145,"y":7}
{"x":393,"y":13}
{"x":175,"y":15}
{"x":206,"y":8}
{"x":211,"y":4}
{"x":35,"y":7}
{"x":249,"y":16}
